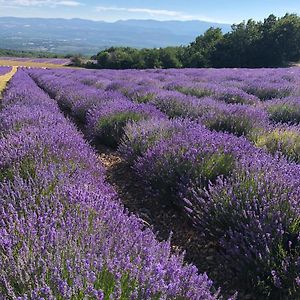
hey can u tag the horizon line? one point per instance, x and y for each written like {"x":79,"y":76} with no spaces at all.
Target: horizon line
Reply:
{"x":130,"y":19}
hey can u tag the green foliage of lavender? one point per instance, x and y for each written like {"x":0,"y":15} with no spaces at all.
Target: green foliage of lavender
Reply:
{"x":284,"y":140}
{"x":285,"y":110}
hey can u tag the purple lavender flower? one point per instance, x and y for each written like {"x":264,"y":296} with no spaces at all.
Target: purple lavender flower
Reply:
{"x":253,"y":217}
{"x":195,"y":153}
{"x":106,"y":122}
{"x":140,"y":136}
{"x":4,"y":70}
{"x":285,"y":110}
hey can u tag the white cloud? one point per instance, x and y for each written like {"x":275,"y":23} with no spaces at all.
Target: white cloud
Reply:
{"x":171,"y":14}
{"x":69,"y":3}
{"x":49,"y":3}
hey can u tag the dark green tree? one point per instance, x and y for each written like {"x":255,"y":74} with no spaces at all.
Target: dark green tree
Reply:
{"x":169,"y":58}
{"x":199,"y":53}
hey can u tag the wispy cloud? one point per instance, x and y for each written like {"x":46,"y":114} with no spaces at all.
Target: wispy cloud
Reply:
{"x":49,"y":3}
{"x":70,"y":3}
{"x":154,"y":12}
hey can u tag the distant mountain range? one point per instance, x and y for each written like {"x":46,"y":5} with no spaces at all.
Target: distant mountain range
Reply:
{"x":89,"y":37}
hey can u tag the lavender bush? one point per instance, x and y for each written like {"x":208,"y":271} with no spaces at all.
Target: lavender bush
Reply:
{"x":285,"y":110}
{"x":253,"y":218}
{"x":236,"y":119}
{"x":283,"y":140}
{"x":234,"y":95}
{"x":106,"y":121}
{"x":196,"y":153}
{"x":271,"y":90}
{"x":140,"y":136}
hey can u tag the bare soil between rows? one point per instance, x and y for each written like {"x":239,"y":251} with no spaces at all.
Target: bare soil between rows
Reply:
{"x":164,"y":219}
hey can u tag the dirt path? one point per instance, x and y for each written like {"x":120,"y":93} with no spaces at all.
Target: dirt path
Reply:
{"x":4,"y":79}
{"x":30,"y":64}
{"x":162,"y":218}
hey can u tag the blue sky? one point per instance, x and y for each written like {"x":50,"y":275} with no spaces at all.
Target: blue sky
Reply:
{"x":226,"y":11}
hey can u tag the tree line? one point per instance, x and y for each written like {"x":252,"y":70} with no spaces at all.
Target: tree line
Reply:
{"x":32,"y":54}
{"x":273,"y":42}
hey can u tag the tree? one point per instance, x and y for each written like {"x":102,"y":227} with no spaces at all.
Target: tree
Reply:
{"x":287,"y":31}
{"x":237,"y":48}
{"x":198,"y":53}
{"x":76,"y":60}
{"x":151,"y":58}
{"x":169,"y":59}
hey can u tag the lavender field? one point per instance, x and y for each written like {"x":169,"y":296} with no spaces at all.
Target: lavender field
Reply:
{"x":220,"y":148}
{"x":4,"y":70}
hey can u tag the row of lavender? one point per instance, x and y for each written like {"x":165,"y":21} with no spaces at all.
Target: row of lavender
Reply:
{"x":242,"y":102}
{"x":240,"y":198}
{"x":4,"y":70}
{"x":219,"y":104}
{"x":64,"y":234}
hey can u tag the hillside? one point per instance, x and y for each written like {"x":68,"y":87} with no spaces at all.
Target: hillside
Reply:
{"x":88,"y":37}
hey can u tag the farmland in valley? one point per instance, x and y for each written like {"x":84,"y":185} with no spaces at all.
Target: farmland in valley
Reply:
{"x":33,"y":62}
{"x":98,"y":167}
